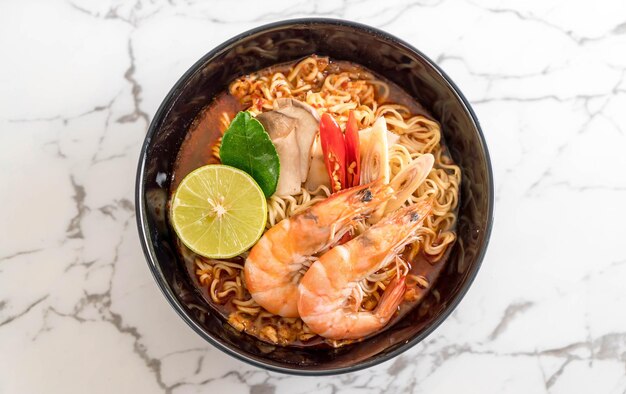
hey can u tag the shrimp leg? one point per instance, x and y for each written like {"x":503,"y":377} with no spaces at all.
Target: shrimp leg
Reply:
{"x":272,"y":270}
{"x":328,"y":284}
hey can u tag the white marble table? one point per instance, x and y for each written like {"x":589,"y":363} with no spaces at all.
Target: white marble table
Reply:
{"x":79,"y":311}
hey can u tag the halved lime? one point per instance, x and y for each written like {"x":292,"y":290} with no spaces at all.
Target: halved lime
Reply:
{"x":218,"y":211}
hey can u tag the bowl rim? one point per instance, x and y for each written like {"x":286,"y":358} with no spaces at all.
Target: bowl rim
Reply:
{"x":146,"y":238}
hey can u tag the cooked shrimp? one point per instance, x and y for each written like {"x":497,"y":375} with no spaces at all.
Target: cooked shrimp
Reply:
{"x":327,"y":287}
{"x":272,"y":270}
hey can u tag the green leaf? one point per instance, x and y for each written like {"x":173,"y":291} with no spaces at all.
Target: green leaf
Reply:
{"x":247,"y":146}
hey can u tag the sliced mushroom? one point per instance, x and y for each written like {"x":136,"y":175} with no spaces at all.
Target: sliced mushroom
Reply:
{"x":307,"y":127}
{"x":287,"y":102}
{"x":276,"y":124}
{"x":282,"y":131}
{"x":317,"y":170}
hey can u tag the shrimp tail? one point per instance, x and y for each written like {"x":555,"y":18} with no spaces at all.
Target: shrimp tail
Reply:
{"x":391,"y":299}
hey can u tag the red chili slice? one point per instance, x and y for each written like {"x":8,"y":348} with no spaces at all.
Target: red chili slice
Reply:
{"x":353,"y":158}
{"x":334,"y":150}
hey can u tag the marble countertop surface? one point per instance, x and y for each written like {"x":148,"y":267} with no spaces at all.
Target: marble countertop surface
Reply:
{"x":80,"y":312}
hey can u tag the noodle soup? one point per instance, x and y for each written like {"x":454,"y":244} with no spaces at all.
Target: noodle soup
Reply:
{"x":336,"y":88}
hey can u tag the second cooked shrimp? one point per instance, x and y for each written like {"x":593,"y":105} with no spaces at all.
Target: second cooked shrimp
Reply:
{"x":272,"y":270}
{"x":328,"y":285}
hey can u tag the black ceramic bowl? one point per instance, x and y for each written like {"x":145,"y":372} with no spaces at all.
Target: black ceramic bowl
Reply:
{"x":342,"y":40}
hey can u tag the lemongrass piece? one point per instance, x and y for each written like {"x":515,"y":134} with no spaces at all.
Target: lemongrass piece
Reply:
{"x":374,"y":153}
{"x":408,"y":180}
{"x":318,"y":176}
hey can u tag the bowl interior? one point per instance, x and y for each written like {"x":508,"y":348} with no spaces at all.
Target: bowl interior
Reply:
{"x":288,"y":41}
